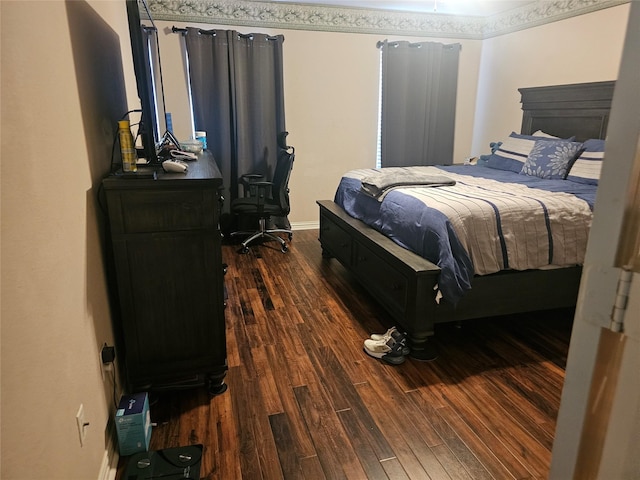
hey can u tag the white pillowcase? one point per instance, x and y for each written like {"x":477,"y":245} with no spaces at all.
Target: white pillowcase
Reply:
{"x":540,"y":133}
{"x":586,"y":169}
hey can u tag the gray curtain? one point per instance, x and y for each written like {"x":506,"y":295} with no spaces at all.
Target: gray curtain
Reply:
{"x":238,"y":99}
{"x":419,"y":84}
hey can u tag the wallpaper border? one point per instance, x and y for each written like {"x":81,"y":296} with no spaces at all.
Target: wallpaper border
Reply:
{"x":296,"y":16}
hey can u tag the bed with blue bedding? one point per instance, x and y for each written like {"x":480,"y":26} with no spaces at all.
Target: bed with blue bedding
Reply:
{"x":482,"y":222}
{"x":444,"y":243}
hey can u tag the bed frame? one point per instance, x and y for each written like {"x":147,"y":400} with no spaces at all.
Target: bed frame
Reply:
{"x":404,"y":283}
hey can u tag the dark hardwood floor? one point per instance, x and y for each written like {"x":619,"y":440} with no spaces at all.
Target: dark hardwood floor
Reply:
{"x":305,"y":402}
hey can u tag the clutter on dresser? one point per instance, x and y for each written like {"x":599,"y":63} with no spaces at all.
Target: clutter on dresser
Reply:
{"x":192,"y":146}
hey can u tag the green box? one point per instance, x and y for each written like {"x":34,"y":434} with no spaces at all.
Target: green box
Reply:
{"x":133,"y":423}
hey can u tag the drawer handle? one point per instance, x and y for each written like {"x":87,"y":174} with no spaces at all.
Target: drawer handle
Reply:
{"x":396,"y":287}
{"x":362,"y":258}
{"x":344,"y":245}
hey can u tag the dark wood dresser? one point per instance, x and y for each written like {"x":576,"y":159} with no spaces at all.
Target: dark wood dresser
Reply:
{"x":166,"y":243}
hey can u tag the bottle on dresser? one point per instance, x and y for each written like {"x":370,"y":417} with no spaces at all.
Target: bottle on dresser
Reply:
{"x":127,"y":147}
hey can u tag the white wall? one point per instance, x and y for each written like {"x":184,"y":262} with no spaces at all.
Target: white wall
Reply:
{"x":586,"y":48}
{"x":62,"y":84}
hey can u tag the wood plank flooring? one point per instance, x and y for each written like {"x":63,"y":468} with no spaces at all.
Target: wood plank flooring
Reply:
{"x":305,"y":402}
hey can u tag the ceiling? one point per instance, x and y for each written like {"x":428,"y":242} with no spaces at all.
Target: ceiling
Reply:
{"x":481,"y":8}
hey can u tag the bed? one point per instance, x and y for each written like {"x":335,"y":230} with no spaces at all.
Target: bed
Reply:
{"x":417,"y":291}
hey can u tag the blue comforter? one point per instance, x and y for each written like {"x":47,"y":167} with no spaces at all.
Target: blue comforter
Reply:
{"x":478,"y":226}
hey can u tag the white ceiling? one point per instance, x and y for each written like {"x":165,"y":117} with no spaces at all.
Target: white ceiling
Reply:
{"x":452,"y":7}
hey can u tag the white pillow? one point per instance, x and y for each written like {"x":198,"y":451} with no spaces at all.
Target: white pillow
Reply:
{"x":586,"y":169}
{"x":540,"y":133}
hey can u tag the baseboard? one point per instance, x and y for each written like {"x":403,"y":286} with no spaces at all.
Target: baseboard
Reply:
{"x":305,"y":225}
{"x":109,"y":467}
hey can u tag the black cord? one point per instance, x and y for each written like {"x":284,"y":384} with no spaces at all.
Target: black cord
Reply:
{"x":130,"y":111}
{"x":113,"y":151}
{"x":113,"y":373}
{"x":101,"y":200}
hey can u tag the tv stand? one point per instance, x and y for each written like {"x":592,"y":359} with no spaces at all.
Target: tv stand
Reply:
{"x":167,"y":260}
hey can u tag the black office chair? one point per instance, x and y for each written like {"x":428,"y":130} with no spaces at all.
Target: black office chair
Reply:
{"x":264,"y":199}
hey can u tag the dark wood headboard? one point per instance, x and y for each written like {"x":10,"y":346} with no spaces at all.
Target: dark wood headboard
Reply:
{"x":580,"y":109}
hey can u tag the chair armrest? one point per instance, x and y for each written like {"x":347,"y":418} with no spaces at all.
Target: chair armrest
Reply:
{"x":248,"y":180}
{"x":251,"y":177}
{"x":262,"y":191}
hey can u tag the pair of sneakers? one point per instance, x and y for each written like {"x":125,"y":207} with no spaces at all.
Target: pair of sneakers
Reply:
{"x":390,"y":347}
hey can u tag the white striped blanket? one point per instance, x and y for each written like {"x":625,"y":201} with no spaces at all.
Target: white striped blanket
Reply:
{"x":499,"y":225}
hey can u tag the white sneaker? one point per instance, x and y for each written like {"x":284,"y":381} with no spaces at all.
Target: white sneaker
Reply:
{"x":387,"y":350}
{"x":380,"y":336}
{"x":396,"y":334}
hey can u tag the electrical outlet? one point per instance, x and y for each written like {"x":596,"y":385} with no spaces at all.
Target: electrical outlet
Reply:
{"x":108,"y":354}
{"x":82,"y":424}
{"x":104,"y":367}
{"x":107,"y":357}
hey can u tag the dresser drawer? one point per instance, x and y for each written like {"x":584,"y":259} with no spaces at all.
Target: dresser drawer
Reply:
{"x":163,"y":210}
{"x":335,"y":240}
{"x":381,"y":279}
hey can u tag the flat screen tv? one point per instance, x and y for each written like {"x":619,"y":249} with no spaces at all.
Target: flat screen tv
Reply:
{"x":146,"y":63}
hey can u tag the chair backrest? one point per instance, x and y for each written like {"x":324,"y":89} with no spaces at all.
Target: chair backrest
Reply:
{"x":280,"y":188}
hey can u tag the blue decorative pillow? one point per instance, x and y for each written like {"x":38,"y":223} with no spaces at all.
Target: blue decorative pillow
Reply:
{"x":594,"y":145}
{"x":550,"y":159}
{"x":483,"y":159}
{"x":514,"y":151}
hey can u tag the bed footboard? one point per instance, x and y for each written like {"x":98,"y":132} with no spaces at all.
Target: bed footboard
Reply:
{"x":404,"y":283}
{"x":400,"y":280}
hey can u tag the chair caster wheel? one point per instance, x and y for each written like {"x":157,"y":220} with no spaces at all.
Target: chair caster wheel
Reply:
{"x":290,"y":236}
{"x":243,"y":249}
{"x":284,"y":249}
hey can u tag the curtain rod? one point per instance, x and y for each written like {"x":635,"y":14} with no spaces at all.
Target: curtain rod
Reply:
{"x":183,"y":31}
{"x":380,"y":44}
